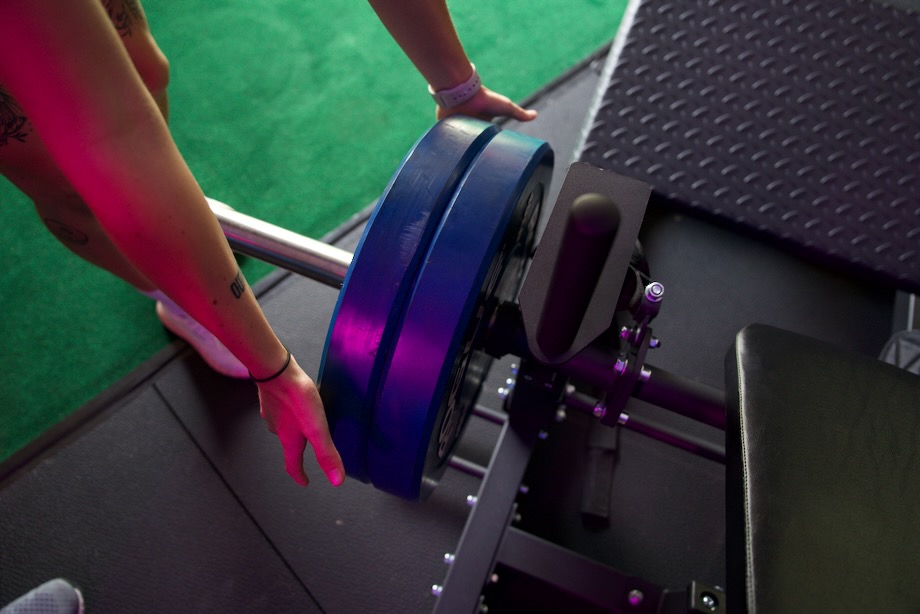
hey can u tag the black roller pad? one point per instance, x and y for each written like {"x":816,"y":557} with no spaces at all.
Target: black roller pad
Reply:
{"x":797,"y":120}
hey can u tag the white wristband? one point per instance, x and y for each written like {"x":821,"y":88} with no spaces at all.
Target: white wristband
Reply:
{"x":456,"y":96}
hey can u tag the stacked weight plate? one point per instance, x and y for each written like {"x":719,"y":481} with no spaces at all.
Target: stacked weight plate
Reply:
{"x":448,"y":240}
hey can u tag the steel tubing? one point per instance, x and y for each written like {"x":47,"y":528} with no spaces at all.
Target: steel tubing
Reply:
{"x":264,"y":241}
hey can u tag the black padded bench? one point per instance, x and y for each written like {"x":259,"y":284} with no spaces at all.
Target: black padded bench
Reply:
{"x":823,"y":478}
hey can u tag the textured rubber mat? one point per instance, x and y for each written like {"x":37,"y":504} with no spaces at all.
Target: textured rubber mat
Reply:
{"x":799,"y":119}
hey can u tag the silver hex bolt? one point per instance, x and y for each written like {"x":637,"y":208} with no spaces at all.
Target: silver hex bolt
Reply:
{"x":636,"y":597}
{"x":471,"y":500}
{"x":620,"y":366}
{"x":449,"y":558}
{"x":600,"y":410}
{"x":436,"y":590}
{"x":654,"y":291}
{"x":709,"y":601}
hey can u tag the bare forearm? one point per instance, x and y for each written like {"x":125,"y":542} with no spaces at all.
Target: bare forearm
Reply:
{"x":71,"y":74}
{"x":66,"y":66}
{"x":169,"y":234}
{"x":425,"y":32}
{"x":158,"y":217}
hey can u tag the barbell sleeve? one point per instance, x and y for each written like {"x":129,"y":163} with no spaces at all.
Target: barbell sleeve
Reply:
{"x":264,"y":241}
{"x":683,"y":395}
{"x":329,"y":264}
{"x":654,"y":430}
{"x":595,"y":365}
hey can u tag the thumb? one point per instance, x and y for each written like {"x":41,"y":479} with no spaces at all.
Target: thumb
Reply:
{"x":523,"y":115}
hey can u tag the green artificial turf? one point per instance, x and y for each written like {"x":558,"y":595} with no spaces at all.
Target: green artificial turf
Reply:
{"x":296,"y":112}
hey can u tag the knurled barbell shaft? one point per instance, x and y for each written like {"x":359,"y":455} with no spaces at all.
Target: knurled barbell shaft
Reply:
{"x":284,"y":248}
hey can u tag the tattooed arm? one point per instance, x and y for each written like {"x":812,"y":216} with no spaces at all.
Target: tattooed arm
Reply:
{"x":65,"y":65}
{"x":131,"y":23}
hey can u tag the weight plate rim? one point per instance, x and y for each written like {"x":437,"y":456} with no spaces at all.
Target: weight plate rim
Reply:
{"x":402,"y":473}
{"x":353,"y":383}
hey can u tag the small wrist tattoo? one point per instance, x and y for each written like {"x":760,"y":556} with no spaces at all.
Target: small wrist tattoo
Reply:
{"x":238,"y":287}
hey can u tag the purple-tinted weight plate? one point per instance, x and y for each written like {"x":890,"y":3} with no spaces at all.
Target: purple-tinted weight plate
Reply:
{"x":436,"y":369}
{"x":382,"y":274}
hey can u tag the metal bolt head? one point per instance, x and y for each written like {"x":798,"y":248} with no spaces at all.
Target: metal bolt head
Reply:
{"x":600,"y":410}
{"x":471,"y":500}
{"x":654,"y":291}
{"x":620,"y":366}
{"x":436,"y":590}
{"x":709,"y":601}
{"x":449,"y":558}
{"x":636,"y":597}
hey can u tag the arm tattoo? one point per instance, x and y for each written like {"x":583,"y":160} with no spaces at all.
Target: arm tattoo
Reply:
{"x":13,"y":122}
{"x":238,"y":287}
{"x":124,"y":14}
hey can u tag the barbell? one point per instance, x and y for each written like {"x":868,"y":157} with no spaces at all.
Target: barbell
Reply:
{"x":411,"y":341}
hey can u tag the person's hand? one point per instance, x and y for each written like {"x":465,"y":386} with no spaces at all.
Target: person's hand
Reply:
{"x":293,"y":410}
{"x":488,"y":105}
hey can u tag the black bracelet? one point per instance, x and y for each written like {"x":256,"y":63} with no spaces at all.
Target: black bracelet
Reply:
{"x":287,"y":361}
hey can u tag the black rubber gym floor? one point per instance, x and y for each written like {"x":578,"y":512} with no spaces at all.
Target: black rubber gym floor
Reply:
{"x":169,"y":495}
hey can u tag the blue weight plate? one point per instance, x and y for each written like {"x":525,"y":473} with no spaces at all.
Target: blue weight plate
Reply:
{"x":436,"y":369}
{"x":381,"y":275}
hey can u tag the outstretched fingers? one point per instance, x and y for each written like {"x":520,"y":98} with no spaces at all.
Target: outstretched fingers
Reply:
{"x":293,"y":446}
{"x":294,"y":443}
{"x":315,"y":428}
{"x":293,"y":410}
